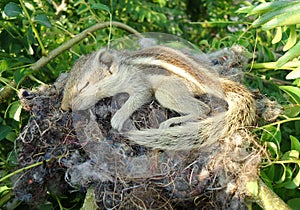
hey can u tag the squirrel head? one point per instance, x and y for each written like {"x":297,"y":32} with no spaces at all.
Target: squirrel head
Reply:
{"x":85,"y":77}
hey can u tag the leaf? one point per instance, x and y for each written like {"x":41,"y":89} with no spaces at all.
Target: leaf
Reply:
{"x":247,"y":9}
{"x":288,"y":18}
{"x":292,"y":38}
{"x":270,"y":172}
{"x":20,"y":74}
{"x":46,"y":206}
{"x":15,"y":111}
{"x":295,"y":182}
{"x":290,"y":155}
{"x":288,"y":8}
{"x":4,"y":189}
{"x":3,"y":66}
{"x":12,"y":9}
{"x":273,"y":149}
{"x":295,"y":144}
{"x":293,"y":74}
{"x":101,"y":7}
{"x":271,"y":134}
{"x":293,"y":92}
{"x":43,"y":20}
{"x":4,"y":130}
{"x":294,"y":203}
{"x":264,"y":7}
{"x":12,"y":159}
{"x":11,"y":136}
{"x":283,"y":175}
{"x":278,"y":35}
{"x":290,"y":54}
{"x":292,"y":110}
{"x":252,"y":187}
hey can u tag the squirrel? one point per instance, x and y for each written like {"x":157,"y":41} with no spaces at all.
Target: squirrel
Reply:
{"x":174,"y":78}
{"x":170,"y":75}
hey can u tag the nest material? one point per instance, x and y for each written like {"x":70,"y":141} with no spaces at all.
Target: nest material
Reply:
{"x":86,"y":152}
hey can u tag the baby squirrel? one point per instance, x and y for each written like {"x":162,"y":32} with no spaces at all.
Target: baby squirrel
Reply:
{"x":169,"y":74}
{"x":174,"y":78}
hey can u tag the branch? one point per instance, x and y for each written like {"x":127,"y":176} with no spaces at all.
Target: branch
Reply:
{"x":267,"y":199}
{"x":67,"y":45}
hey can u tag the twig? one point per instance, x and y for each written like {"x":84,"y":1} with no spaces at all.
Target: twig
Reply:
{"x":24,"y":169}
{"x":267,"y":199}
{"x":67,"y":45}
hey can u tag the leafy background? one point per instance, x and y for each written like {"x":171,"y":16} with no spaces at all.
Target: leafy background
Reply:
{"x":269,"y":30}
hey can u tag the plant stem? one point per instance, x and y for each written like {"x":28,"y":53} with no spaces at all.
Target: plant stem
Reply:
{"x":36,"y":33}
{"x":272,"y":65}
{"x":67,"y":45}
{"x":24,"y":169}
{"x":282,"y":121}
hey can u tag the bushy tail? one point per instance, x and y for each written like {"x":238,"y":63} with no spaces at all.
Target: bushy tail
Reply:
{"x":194,"y":135}
{"x":191,"y":135}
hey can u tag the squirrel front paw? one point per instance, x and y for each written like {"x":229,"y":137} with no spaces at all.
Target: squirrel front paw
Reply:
{"x":118,"y":121}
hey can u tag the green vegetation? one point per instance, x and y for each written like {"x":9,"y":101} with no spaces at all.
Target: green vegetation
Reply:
{"x":32,"y":29}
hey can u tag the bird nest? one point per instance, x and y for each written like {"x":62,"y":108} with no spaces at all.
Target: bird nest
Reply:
{"x":81,"y":151}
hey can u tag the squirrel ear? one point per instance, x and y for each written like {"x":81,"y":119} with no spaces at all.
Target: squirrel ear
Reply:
{"x":105,"y":57}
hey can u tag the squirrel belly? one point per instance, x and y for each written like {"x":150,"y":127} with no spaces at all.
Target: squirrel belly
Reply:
{"x":194,"y":135}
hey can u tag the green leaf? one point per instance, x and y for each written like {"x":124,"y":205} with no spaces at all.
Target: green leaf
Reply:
{"x":3,"y":66}
{"x":270,"y":172}
{"x":288,"y":18}
{"x":20,"y":74}
{"x":295,"y":144}
{"x":290,"y":155}
{"x":101,"y":7}
{"x":288,"y":8}
{"x":295,"y":182}
{"x":4,"y":130}
{"x":273,"y":149}
{"x":278,"y":35}
{"x":12,"y":9}
{"x":161,"y":3}
{"x":283,"y":175}
{"x":264,"y":7}
{"x":15,"y":111}
{"x":293,"y":92}
{"x":292,"y":38}
{"x":246,"y":9}
{"x":82,"y":9}
{"x":293,"y":74}
{"x":292,"y":110}
{"x":271,"y":134}
{"x":294,"y":203}
{"x":292,"y":53}
{"x":11,"y":136}
{"x":252,"y":188}
{"x":43,"y":20}
{"x":12,"y":159}
{"x":46,"y":206}
{"x":4,"y":189}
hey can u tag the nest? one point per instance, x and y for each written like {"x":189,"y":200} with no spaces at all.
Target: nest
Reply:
{"x":81,"y":150}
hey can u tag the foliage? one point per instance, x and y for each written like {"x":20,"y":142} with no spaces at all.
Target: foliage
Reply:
{"x":30,"y":29}
{"x":280,"y":20}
